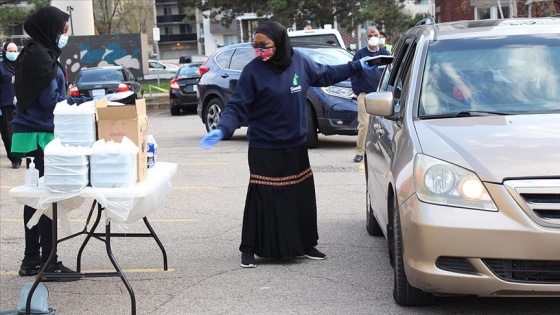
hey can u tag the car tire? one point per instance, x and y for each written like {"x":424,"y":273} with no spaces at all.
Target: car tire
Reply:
{"x":312,"y":135}
{"x":403,"y":293}
{"x":212,"y":114}
{"x":372,"y":226}
{"x":175,"y":111}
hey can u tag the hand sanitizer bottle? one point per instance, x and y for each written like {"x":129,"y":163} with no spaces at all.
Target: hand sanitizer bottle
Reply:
{"x":31,"y":175}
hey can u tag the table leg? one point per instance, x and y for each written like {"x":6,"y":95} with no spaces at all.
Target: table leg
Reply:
{"x":116,"y":265}
{"x":49,"y":260}
{"x":156,"y":238}
{"x":89,"y":234}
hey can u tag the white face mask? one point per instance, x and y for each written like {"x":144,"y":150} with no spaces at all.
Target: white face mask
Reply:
{"x":62,"y":40}
{"x":373,"y":41}
{"x":12,"y":56}
{"x":382,"y":41}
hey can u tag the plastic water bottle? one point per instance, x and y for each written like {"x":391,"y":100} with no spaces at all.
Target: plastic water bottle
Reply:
{"x":31,"y":174}
{"x":152,"y":151}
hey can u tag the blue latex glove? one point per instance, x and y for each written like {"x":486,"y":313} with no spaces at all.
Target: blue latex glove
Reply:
{"x":211,"y":138}
{"x":364,"y":64}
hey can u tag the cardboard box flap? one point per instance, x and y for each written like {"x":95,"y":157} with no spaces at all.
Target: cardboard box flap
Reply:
{"x":119,"y":112}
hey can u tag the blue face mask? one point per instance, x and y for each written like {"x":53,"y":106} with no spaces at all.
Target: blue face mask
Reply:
{"x":62,"y":41}
{"x":12,"y":56}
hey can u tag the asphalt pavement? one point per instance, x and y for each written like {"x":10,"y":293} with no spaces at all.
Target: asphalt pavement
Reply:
{"x":199,"y":223}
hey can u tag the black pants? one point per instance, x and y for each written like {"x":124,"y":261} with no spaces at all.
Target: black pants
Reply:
{"x":38,"y":239}
{"x":6,"y":130}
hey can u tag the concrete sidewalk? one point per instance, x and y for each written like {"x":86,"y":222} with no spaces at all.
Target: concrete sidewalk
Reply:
{"x":157,"y":100}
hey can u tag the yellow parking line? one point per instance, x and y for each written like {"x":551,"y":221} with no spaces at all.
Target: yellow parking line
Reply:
{"x":15,"y":273}
{"x":175,"y":187}
{"x":84,"y":220}
{"x":196,"y":187}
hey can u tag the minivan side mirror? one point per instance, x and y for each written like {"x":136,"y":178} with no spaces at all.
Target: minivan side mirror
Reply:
{"x":380,"y":103}
{"x":381,"y":60}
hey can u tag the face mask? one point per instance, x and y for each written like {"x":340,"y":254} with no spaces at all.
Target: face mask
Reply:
{"x":62,"y":40}
{"x":264,"y":53}
{"x":12,"y":56}
{"x":373,"y":41}
{"x":382,"y":41}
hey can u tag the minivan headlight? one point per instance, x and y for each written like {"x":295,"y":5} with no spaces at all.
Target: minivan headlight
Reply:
{"x":443,"y":183}
{"x":338,"y":91}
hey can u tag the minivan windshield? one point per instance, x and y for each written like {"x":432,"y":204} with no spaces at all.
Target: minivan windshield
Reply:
{"x":514,"y":74}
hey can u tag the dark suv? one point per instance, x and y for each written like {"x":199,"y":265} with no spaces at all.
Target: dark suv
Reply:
{"x":331,"y":110}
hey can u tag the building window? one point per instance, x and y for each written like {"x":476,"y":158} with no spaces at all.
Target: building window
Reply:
{"x":230,"y":39}
{"x":167,"y":11}
{"x":485,"y":13}
{"x":168,"y":30}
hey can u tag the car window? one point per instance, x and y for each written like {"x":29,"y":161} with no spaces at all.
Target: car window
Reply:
{"x":241,"y":57}
{"x":223,"y":59}
{"x":399,"y":69}
{"x":189,"y":71}
{"x":156,"y":65}
{"x":513,"y":74}
{"x":325,"y":39}
{"x":128,"y":76}
{"x":100,"y":75}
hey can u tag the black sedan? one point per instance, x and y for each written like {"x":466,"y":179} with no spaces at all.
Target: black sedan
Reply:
{"x":182,"y":88}
{"x":100,"y":81}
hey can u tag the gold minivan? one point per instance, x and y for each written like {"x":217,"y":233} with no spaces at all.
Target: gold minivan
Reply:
{"x":463,"y":160}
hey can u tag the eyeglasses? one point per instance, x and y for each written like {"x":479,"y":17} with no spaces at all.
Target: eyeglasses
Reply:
{"x":261,"y":44}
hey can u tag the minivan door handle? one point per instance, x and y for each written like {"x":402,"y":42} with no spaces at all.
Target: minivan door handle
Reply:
{"x":225,"y":75}
{"x":378,"y":129}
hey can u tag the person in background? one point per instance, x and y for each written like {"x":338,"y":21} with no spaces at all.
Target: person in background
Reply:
{"x":7,"y":98}
{"x":280,"y":215}
{"x":383,"y":42}
{"x":40,"y":85}
{"x":365,"y":82}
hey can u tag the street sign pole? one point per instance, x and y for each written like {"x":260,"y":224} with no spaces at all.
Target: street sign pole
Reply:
{"x":156,"y":39}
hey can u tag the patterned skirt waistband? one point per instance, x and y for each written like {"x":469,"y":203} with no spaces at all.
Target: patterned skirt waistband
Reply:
{"x":281,"y":181}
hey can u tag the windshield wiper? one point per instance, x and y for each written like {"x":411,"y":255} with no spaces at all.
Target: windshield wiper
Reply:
{"x":478,"y":113}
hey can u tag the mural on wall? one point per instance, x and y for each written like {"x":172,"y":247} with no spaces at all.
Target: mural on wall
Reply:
{"x":102,"y":50}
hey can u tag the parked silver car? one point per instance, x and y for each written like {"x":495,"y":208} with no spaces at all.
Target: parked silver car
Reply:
{"x":463,"y":160}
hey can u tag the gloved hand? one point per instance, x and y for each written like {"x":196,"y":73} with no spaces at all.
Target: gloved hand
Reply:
{"x":211,"y":138}
{"x":365,"y":65}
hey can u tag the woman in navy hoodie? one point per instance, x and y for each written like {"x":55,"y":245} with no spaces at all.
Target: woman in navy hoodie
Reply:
{"x":280,"y":216}
{"x":40,"y":85}
{"x":7,"y":100}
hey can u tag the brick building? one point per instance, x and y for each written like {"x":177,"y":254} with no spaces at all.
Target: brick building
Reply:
{"x":455,"y":10}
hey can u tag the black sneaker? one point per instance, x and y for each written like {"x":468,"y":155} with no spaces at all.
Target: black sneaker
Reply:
{"x":29,"y":267}
{"x":59,"y":268}
{"x":248,"y":260}
{"x":358,"y":158}
{"x":313,"y":253}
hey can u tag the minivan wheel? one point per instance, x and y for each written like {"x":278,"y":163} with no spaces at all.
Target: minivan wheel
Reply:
{"x":312,"y":137}
{"x":403,"y":293}
{"x":372,"y":226}
{"x":212,"y":113}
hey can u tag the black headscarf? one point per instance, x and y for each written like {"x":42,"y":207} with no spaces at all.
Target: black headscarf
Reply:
{"x":10,"y":65}
{"x":282,"y":57}
{"x":38,"y":61}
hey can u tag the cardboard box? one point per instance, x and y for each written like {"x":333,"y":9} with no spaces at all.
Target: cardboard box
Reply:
{"x":130,"y":120}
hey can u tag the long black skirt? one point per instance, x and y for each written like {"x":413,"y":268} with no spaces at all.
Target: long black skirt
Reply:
{"x":280,"y":217}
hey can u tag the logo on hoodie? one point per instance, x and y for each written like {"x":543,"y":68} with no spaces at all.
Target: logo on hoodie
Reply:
{"x":296,"y":88}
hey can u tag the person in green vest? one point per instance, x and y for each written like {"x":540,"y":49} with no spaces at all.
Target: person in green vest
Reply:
{"x":383,"y":42}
